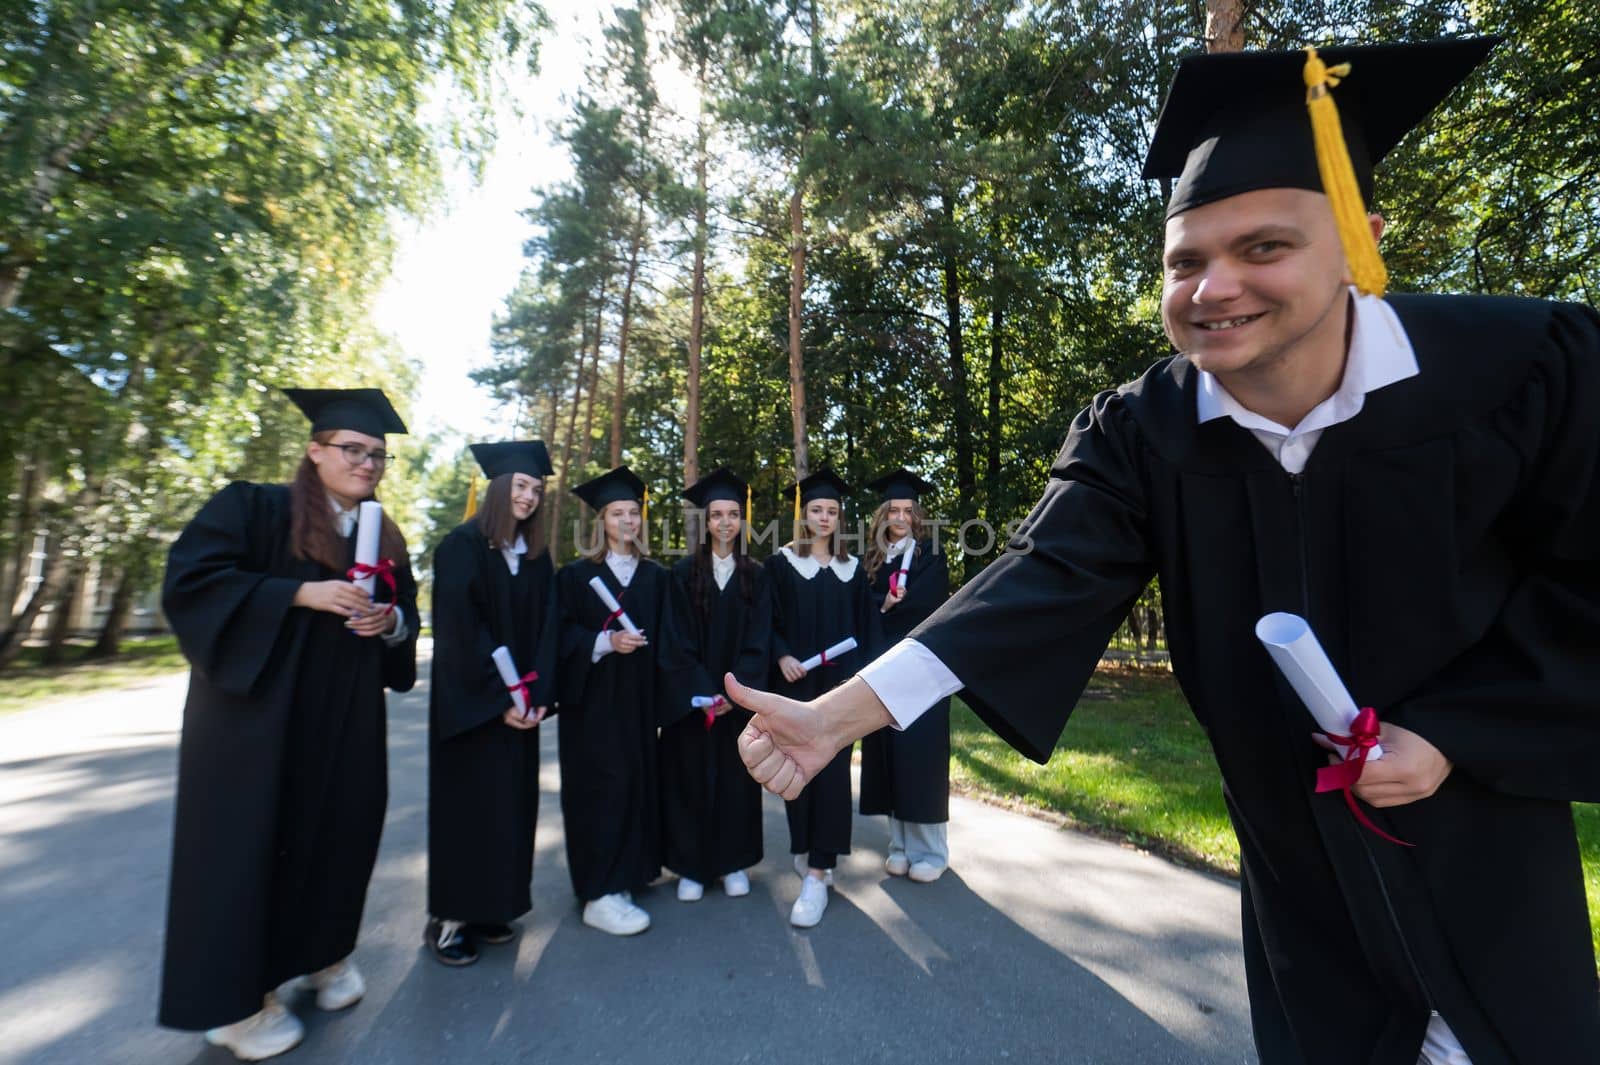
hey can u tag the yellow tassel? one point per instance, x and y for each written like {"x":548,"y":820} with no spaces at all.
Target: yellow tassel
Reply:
{"x":749,"y":515}
{"x":1339,"y":178}
{"x":644,"y":511}
{"x":797,"y":515}
{"x":472,"y":499}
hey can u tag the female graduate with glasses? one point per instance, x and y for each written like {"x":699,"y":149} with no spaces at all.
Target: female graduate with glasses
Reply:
{"x":494,"y":613}
{"x":282,"y":769}
{"x":906,"y":774}
{"x":710,"y":805}
{"x":819,"y":599}
{"x":623,"y":675}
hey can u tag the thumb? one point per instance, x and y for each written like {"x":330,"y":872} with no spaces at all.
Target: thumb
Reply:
{"x":752,"y":699}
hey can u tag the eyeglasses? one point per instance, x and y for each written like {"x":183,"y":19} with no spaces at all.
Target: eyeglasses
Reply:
{"x":356,"y":455}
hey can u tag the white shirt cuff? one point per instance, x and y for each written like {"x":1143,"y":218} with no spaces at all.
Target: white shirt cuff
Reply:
{"x":398,"y":636}
{"x":908,"y":679}
{"x":602,"y":647}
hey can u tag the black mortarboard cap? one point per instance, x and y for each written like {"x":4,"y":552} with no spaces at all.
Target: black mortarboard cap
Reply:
{"x":1234,"y":122}
{"x":899,"y":484}
{"x":824,"y":484}
{"x":360,"y":410}
{"x":720,"y":484}
{"x":611,"y":487}
{"x":513,"y":456}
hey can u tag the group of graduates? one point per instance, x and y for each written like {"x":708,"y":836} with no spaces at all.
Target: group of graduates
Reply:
{"x":283,"y":779}
{"x":1417,"y":476}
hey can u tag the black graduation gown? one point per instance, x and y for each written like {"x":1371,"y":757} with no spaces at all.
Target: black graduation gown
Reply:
{"x":282,"y":767}
{"x":610,"y":711}
{"x":711,"y":806}
{"x":906,"y":774}
{"x":1445,"y":546}
{"x":809,"y":616}
{"x":483,"y":775}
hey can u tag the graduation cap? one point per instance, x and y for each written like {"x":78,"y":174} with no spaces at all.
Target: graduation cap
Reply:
{"x":1235,"y":122}
{"x":611,"y":487}
{"x":720,"y":484}
{"x":513,"y":456}
{"x":360,"y":410}
{"x":899,"y":484}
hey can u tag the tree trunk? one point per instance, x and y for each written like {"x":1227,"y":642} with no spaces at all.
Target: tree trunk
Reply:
{"x":22,"y":545}
{"x":960,"y":406}
{"x":697,"y":300}
{"x":109,"y":640}
{"x":60,"y":627}
{"x":997,"y":321}
{"x":1224,"y":25}
{"x":619,"y":397}
{"x":797,"y":366}
{"x":22,"y":624}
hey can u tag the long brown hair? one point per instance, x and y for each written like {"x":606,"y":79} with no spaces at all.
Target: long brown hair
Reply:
{"x":836,"y":548}
{"x":598,"y":545}
{"x":312,"y":534}
{"x":877,"y":549}
{"x":703,"y":581}
{"x":499,"y":524}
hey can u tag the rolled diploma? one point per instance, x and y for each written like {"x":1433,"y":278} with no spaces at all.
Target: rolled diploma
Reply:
{"x":844,"y":646}
{"x":611,"y":603}
{"x":1303,"y":662}
{"x":905,"y":565}
{"x":369,"y":527}
{"x":705,"y":702}
{"x":510,"y":677}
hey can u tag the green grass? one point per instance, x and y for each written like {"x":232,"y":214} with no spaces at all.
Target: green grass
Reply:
{"x":26,"y":683}
{"x":1133,"y":765}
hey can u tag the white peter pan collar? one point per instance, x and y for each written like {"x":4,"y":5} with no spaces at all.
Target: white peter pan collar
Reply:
{"x":809,"y":567}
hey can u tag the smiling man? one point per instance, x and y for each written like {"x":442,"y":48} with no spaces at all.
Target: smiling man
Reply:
{"x":1417,"y":476}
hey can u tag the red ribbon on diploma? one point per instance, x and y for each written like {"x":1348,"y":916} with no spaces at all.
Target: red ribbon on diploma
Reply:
{"x":522,"y":686}
{"x":897,"y":580}
{"x":1342,"y":777}
{"x":711,"y":712}
{"x":384,"y":569}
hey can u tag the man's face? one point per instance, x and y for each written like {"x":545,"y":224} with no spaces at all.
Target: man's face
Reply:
{"x":1249,"y":279}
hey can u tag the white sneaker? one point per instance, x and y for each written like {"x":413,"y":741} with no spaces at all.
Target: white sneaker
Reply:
{"x":616,"y":915}
{"x":736,"y":884}
{"x":690,"y":890}
{"x":802,"y":869}
{"x":809,"y":907}
{"x":339,"y":986}
{"x":926,"y":872}
{"x":262,"y":1035}
{"x":896,"y":864}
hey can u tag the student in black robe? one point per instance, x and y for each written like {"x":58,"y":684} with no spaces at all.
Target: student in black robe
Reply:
{"x":494,"y":587}
{"x":711,"y":809}
{"x":906,"y":774}
{"x":819,"y":598}
{"x":282,"y":767}
{"x":616,"y":689}
{"x":1419,"y":477}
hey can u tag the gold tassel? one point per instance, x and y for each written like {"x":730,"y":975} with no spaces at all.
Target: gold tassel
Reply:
{"x":644,"y":515}
{"x":749,"y":515}
{"x":797,"y":516}
{"x":472,"y":499}
{"x":1339,"y":178}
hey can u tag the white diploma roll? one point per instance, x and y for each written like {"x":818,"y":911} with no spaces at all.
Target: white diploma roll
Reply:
{"x":611,"y":603}
{"x":844,"y":646}
{"x":369,"y":528}
{"x":905,"y":563}
{"x":1303,"y":662}
{"x":510,"y":677}
{"x":705,"y":702}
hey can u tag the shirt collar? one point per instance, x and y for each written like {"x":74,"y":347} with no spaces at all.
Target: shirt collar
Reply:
{"x":518,"y":548}
{"x":1380,"y":354}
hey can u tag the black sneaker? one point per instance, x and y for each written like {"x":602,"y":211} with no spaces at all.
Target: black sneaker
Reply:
{"x":491,"y":933}
{"x":453,"y":947}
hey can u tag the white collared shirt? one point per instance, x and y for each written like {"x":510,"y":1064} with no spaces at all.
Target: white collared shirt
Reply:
{"x":899,"y":547}
{"x":513,"y":555}
{"x":722,"y":568}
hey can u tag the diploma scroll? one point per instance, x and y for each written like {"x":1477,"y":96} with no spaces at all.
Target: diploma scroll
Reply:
{"x":706,"y":702}
{"x":369,"y":530}
{"x":843,"y":647}
{"x":612,"y":605}
{"x":897,"y":579}
{"x":1304,"y":664}
{"x":511,"y":678}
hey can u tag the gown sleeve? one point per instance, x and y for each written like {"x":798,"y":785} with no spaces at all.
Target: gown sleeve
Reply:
{"x":467,"y":687}
{"x":545,"y":658}
{"x":575,"y":636}
{"x":694,"y":640}
{"x":1025,"y":635}
{"x":755,"y":643}
{"x":400,"y":659}
{"x":225,"y":609}
{"x":678,"y":669}
{"x":780,"y":642}
{"x":1520,"y":711}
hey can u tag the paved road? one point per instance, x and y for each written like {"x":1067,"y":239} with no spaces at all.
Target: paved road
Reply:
{"x":1040,"y":945}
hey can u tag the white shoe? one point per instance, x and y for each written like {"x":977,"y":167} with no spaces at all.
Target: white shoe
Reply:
{"x":802,"y":869}
{"x":263,"y":1035}
{"x":809,"y":907}
{"x":736,"y":884}
{"x":926,"y":872}
{"x":616,"y":915}
{"x":339,"y":986}
{"x":690,"y":890}
{"x":896,"y":864}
